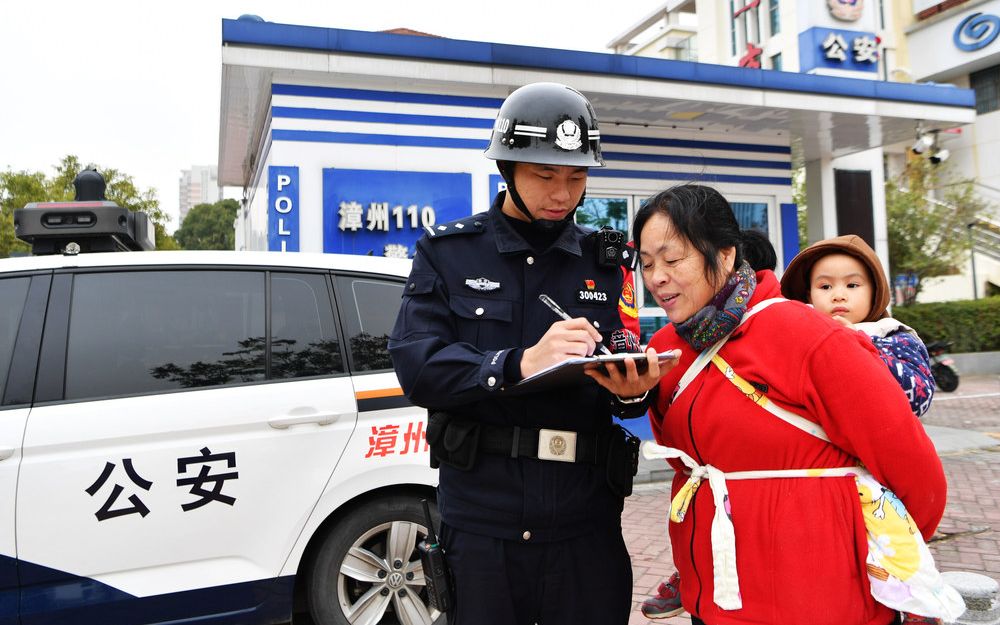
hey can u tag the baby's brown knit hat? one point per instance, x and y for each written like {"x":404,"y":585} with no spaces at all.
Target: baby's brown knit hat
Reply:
{"x":795,"y":280}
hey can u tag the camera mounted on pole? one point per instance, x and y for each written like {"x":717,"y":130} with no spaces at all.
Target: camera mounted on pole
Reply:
{"x":90,"y":223}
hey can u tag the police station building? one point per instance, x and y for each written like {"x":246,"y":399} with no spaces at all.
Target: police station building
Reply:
{"x":355,"y":142}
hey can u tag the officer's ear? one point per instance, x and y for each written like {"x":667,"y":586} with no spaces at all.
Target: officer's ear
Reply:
{"x":506,"y":169}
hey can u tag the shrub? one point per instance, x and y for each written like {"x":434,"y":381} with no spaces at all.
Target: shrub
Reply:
{"x":973,"y":325}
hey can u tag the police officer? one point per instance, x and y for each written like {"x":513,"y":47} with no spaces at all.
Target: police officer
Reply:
{"x":531,"y":485}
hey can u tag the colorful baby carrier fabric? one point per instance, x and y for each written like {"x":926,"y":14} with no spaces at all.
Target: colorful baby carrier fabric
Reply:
{"x":900,"y":567}
{"x":905,"y":355}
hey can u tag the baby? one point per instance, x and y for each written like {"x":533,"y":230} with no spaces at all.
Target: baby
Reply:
{"x":843,"y":278}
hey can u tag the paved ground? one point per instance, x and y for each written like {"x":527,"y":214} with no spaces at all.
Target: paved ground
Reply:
{"x":965,"y":427}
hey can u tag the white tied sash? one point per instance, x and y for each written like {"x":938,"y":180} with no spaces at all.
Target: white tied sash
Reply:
{"x":727,"y":583}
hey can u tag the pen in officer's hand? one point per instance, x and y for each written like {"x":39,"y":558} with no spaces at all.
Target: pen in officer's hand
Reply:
{"x":551,"y":303}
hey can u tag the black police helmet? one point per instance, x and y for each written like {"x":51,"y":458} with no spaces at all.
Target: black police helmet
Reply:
{"x":549,"y":124}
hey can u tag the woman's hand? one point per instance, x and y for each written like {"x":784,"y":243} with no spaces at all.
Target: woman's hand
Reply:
{"x":631,"y":383}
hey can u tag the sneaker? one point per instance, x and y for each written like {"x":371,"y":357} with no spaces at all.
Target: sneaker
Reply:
{"x":667,"y":601}
{"x":916,"y":618}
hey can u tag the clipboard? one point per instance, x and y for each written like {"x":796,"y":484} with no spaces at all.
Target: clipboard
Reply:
{"x":571,"y":372}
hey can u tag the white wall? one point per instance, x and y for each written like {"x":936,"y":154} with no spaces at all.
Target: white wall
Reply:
{"x":713,"y":32}
{"x":959,"y":286}
{"x":933,"y":54}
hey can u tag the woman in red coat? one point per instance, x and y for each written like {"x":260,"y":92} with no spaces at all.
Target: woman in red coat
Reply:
{"x":795,"y":548}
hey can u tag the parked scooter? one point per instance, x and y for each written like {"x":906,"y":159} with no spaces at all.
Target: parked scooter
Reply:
{"x":942,"y":367}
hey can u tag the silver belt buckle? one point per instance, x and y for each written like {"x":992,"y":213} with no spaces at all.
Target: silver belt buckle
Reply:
{"x":558,"y":445}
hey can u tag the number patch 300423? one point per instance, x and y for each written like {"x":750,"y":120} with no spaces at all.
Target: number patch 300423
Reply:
{"x":593,"y":296}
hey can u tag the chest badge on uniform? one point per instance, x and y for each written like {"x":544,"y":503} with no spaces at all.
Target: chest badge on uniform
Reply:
{"x":482,"y":284}
{"x":591,"y":294}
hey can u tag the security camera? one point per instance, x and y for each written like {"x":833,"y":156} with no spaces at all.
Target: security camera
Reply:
{"x":940,"y":156}
{"x":922,"y":143}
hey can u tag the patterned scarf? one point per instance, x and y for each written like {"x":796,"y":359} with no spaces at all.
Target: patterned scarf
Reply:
{"x":721,"y":316}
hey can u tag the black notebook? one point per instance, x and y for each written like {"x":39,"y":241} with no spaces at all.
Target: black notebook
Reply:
{"x":571,"y":372}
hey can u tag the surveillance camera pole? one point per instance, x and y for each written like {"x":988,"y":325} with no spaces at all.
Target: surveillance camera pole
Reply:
{"x":972,"y":259}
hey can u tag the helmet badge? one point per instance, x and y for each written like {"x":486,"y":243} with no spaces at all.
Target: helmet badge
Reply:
{"x":568,"y":135}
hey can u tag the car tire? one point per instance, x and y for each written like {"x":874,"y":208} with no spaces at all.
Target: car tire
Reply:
{"x":367,"y":570}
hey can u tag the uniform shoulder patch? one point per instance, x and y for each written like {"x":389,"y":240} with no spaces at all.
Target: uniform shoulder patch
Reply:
{"x":473,"y":224}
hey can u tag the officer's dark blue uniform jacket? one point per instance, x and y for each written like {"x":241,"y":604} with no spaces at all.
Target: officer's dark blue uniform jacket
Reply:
{"x":472,"y":296}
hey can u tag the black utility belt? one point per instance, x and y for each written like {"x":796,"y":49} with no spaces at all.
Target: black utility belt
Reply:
{"x":543,"y":444}
{"x":457,"y":442}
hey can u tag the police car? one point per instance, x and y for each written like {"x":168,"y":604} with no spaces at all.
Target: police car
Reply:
{"x":203,"y":436}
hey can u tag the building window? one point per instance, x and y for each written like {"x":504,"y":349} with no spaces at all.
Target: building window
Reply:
{"x":751,"y":215}
{"x":732,"y":26}
{"x":687,"y":50}
{"x":649,"y":325}
{"x":747,"y":32}
{"x":774,"y":13}
{"x":776,"y":62}
{"x":986,"y":84}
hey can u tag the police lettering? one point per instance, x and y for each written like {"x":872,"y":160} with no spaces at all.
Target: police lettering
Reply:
{"x":283,"y":205}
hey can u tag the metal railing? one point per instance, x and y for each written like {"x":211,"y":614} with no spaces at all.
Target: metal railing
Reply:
{"x":985,"y":236}
{"x":984,"y":233}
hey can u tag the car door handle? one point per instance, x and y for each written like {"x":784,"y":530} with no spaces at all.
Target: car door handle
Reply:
{"x":6,"y":452}
{"x":282,"y":423}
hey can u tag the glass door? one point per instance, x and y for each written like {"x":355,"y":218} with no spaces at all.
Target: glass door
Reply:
{"x":606,"y":211}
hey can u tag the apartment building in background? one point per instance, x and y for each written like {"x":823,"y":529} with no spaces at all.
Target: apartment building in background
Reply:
{"x":198,"y":185}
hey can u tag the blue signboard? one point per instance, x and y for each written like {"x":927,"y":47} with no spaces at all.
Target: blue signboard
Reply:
{"x":283,"y":209}
{"x":830,"y":48}
{"x":497,"y":184}
{"x":383,"y":213}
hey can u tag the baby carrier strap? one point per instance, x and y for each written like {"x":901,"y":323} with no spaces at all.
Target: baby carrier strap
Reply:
{"x":706,"y":356}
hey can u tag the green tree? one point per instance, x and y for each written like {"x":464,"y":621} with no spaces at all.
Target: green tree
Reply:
{"x":928,"y":212}
{"x":799,"y":196}
{"x":19,"y":188}
{"x":209,"y":227}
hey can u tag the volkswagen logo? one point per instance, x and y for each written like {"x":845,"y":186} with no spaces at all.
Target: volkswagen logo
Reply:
{"x":395,"y":580}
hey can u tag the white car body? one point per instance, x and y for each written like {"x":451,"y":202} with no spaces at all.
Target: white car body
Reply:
{"x":235,"y":484}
